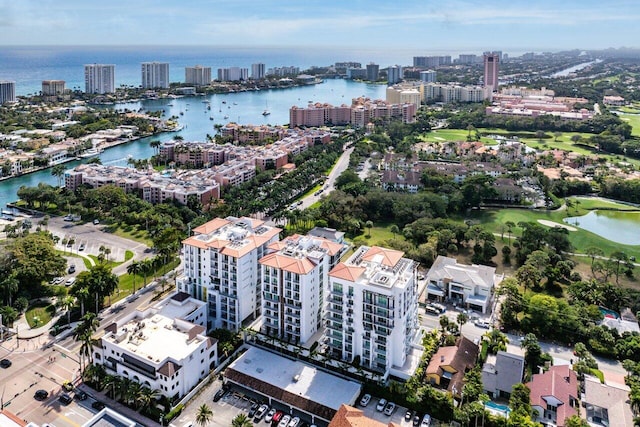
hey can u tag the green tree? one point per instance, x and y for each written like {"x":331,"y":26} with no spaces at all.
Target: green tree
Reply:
{"x":83,"y":333}
{"x":134,"y":269}
{"x":395,"y":230}
{"x":369,"y":226}
{"x":241,"y":420}
{"x":67,"y":303}
{"x":497,"y":341}
{"x":58,"y":171}
{"x":203,"y":415}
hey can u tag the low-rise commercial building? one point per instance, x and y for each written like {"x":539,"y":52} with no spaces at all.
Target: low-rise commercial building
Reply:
{"x":163,"y":347}
{"x":294,"y":384}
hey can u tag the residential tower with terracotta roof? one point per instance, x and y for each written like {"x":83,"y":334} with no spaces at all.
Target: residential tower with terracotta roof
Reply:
{"x":372,"y":310}
{"x":295,"y":285}
{"x":221,"y":267}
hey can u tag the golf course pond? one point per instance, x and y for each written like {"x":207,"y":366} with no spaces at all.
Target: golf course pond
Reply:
{"x":617,"y":226}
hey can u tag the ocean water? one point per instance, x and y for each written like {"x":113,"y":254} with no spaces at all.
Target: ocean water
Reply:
{"x":29,"y":65}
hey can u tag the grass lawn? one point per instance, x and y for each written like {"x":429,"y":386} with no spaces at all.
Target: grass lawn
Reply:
{"x":128,"y":255}
{"x":379,"y":234}
{"x":125,"y":288}
{"x":110,"y":264}
{"x":634,"y":121}
{"x":39,"y":314}
{"x":442,"y":135}
{"x":132,"y":233}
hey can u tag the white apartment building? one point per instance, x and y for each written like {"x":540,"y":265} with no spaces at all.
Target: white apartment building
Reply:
{"x":99,"y":78}
{"x":257,"y":71}
{"x":294,"y":285}
{"x":446,"y":93}
{"x":163,"y":347}
{"x":233,"y":74}
{"x":220,"y":266}
{"x":155,"y":75}
{"x":7,"y":91}
{"x":468,"y":285}
{"x":198,"y":75}
{"x":372,"y":309}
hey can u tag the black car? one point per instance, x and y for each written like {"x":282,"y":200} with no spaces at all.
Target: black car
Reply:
{"x":97,"y":405}
{"x":80,"y":395}
{"x":41,"y":394}
{"x":218,"y":395}
{"x":253,"y":410}
{"x":5,"y":363}
{"x":65,"y":399}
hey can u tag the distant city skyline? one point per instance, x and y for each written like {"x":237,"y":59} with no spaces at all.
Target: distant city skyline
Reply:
{"x":456,"y":25}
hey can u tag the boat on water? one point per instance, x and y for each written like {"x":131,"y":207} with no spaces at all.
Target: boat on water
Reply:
{"x":210,"y":117}
{"x":226,"y":117}
{"x":208,"y":107}
{"x":91,"y":152}
{"x":266,"y":111}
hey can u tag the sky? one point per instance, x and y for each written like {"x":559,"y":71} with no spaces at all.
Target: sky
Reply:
{"x":431,"y":25}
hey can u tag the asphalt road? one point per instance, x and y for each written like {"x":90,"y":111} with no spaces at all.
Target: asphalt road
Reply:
{"x":341,"y":166}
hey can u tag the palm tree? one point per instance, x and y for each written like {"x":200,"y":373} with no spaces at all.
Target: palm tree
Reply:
{"x":146,"y":396}
{"x":395,"y":230}
{"x":510,"y":225}
{"x":462,"y":319}
{"x":241,"y":420}
{"x":10,"y":285}
{"x":110,"y":383}
{"x":67,"y":303}
{"x":134,"y":269}
{"x":58,"y":172}
{"x":497,"y":341}
{"x":203,"y":415}
{"x":83,"y":333}
{"x":369,"y":225}
{"x":155,"y":144}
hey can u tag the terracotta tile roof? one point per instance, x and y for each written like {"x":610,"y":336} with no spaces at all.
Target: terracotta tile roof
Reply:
{"x":389,"y":257}
{"x":287,"y":263}
{"x":169,"y":368}
{"x":192,"y":241}
{"x":211,"y":226}
{"x":347,"y":272}
{"x":348,"y":416}
{"x":559,"y":382}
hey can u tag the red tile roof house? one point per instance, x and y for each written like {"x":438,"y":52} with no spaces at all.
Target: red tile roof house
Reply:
{"x":554,"y":395}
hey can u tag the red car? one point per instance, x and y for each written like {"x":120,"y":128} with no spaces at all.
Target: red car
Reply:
{"x":277,"y":417}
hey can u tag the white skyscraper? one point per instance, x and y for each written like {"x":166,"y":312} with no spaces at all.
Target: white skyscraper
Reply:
{"x":294,"y":285}
{"x":99,"y":78}
{"x":198,"y":75}
{"x":372,"y":308}
{"x":221,"y":267}
{"x":257,"y":71}
{"x":155,"y":75}
{"x":7,"y":91}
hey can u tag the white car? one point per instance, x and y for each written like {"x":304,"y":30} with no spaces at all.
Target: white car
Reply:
{"x":365,"y":400}
{"x":269,"y":416}
{"x":70,"y":281}
{"x":426,"y":421}
{"x":261,"y":411}
{"x":388,"y":410}
{"x":381,"y":404}
{"x":294,"y":422}
{"x":482,"y":324}
{"x":284,"y":422}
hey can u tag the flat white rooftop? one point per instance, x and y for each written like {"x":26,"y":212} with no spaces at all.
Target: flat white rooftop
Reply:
{"x":297,"y":378}
{"x":154,"y":338}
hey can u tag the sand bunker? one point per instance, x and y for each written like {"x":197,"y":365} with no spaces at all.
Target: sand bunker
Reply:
{"x":556,"y":224}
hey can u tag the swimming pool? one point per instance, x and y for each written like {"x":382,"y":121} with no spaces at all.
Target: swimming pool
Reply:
{"x":609,"y":313}
{"x":498,"y":409}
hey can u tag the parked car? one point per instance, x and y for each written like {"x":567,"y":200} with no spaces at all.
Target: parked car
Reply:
{"x":482,"y":324}
{"x":81,"y":247}
{"x":381,"y":404}
{"x":80,"y":395}
{"x":269,"y":417}
{"x":72,"y":269}
{"x":277,"y":416}
{"x":295,"y":421}
{"x":253,"y":409}
{"x":5,"y":363}
{"x":426,"y":421}
{"x":65,"y":399}
{"x":67,"y":385}
{"x":41,"y":394}
{"x":262,"y":410}
{"x":70,"y":281}
{"x":408,"y":415}
{"x":97,"y":405}
{"x":388,"y":410}
{"x":365,"y":400}
{"x":416,"y":420}
{"x":218,"y":395}
{"x":284,"y":421}
{"x":96,"y":221}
